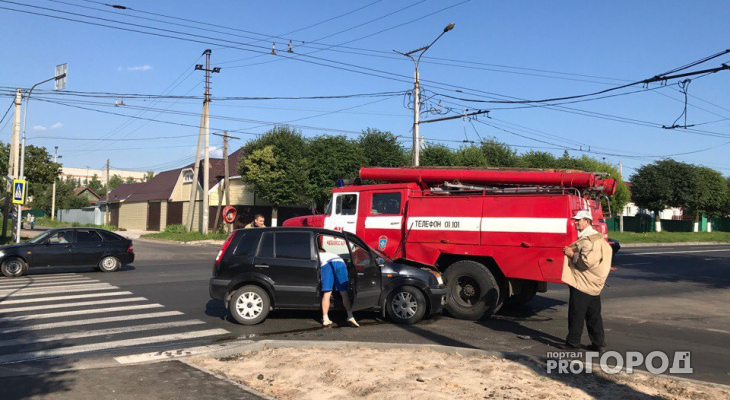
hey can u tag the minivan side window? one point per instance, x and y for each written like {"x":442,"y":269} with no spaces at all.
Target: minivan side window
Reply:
{"x":385,"y":204}
{"x":267,"y":245}
{"x":296,"y":245}
{"x":248,"y":243}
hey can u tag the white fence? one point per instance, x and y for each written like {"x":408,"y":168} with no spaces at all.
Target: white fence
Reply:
{"x":89,"y":215}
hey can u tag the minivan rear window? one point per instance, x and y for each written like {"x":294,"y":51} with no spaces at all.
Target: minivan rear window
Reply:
{"x":248,"y":243}
{"x":297,"y":245}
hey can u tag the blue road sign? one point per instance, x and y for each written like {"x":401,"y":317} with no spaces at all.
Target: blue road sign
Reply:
{"x":19,"y":189}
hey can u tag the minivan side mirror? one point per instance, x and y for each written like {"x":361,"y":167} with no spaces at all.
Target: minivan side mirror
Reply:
{"x":380,"y":261}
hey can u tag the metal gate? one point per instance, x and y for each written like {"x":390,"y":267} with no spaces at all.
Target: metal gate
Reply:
{"x":153,"y":216}
{"x":175,"y":213}
{"x":114,"y":211}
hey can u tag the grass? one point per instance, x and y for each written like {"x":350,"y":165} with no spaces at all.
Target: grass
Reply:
{"x":670,"y":237}
{"x":186,"y":236}
{"x":179,"y":234}
{"x":54,"y":223}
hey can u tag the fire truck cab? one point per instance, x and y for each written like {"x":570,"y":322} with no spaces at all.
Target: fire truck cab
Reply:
{"x":494,"y":238}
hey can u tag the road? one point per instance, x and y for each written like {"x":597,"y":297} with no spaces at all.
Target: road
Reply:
{"x":665,"y":298}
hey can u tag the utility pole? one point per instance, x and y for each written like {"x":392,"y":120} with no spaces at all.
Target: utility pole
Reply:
{"x":204,"y":131}
{"x":225,"y":178}
{"x":53,"y":195}
{"x":417,"y":93}
{"x":15,"y":138}
{"x":106,"y":206}
{"x":12,"y":159}
{"x":60,"y":79}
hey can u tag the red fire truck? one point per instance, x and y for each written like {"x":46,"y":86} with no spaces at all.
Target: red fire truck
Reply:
{"x":497,"y":235}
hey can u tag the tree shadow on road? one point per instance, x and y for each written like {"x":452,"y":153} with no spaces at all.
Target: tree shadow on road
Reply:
{"x":705,"y":269}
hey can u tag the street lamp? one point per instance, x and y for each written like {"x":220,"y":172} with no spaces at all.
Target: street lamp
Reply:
{"x":417,"y":90}
{"x":53,"y":196}
{"x":60,"y":79}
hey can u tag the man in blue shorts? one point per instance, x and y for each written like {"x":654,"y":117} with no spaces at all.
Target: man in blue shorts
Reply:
{"x":334,"y":276}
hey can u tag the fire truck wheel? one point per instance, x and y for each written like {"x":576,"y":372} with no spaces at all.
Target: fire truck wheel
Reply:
{"x":406,"y":305}
{"x":473,"y":291}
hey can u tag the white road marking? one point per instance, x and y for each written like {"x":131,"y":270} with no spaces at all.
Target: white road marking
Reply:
{"x":58,"y":298}
{"x":176,"y":353}
{"x":91,"y":321}
{"x":16,"y":281}
{"x":43,"y":276}
{"x":79,"y":312}
{"x":65,"y":289}
{"x":100,"y":332}
{"x":10,"y":358}
{"x":676,"y":252}
{"x":46,"y":284}
{"x":77,"y":304}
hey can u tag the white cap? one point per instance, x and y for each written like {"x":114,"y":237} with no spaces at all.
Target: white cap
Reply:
{"x":583,"y":214}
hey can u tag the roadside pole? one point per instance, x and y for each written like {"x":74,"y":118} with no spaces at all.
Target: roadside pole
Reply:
{"x":60,"y":84}
{"x":106,"y":206}
{"x":12,"y":160}
{"x":53,"y":195}
{"x":225,"y":179}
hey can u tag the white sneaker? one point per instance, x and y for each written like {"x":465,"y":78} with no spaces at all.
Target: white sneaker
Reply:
{"x":352,"y":322}
{"x":326,"y":322}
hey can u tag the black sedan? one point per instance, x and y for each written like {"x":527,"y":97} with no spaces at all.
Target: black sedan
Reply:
{"x":68,"y":247}
{"x":262,"y":269}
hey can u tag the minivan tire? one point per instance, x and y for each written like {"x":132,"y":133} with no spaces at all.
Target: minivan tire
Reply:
{"x":14,"y":267}
{"x":406,"y":305}
{"x":249,"y":305}
{"x":109,"y":264}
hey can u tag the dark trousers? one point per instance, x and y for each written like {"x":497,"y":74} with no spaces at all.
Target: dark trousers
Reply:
{"x":584,"y":307}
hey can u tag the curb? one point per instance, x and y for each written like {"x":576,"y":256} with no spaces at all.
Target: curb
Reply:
{"x":208,"y":242}
{"x":634,"y":245}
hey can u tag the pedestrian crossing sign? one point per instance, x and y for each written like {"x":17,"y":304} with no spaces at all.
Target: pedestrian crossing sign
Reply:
{"x":19,"y":191}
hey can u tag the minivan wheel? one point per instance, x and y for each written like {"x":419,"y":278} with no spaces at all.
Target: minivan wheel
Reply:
{"x":249,"y":305}
{"x":14,"y":267}
{"x":406,"y":305}
{"x":109,"y":264}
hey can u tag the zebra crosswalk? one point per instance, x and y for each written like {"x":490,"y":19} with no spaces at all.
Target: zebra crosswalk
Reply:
{"x":71,"y":314}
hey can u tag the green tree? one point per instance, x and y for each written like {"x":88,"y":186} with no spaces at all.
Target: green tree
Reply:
{"x":96,"y":186}
{"x":381,"y":149}
{"x":147,"y":176}
{"x":277,"y":168}
{"x":470,"y":156}
{"x":538,"y":159}
{"x":39,"y":169}
{"x":129,"y":180}
{"x":436,"y":155}
{"x":727,"y":202}
{"x":664,"y":184}
{"x":331,"y":158}
{"x":499,"y":154}
{"x":711,"y":194}
{"x":115,"y":181}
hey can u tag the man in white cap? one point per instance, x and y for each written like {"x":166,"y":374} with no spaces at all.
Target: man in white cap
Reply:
{"x":586,"y":266}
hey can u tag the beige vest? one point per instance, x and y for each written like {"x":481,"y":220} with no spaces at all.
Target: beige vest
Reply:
{"x":588,"y":269}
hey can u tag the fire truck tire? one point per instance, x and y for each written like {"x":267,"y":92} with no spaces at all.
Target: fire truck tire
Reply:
{"x":473,"y":291}
{"x":527,"y":293}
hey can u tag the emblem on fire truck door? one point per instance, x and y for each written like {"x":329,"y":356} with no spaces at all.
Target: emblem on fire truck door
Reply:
{"x":382,"y":242}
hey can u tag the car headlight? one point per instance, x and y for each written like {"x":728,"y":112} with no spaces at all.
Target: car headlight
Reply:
{"x":439,"y":279}
{"x":2,"y":254}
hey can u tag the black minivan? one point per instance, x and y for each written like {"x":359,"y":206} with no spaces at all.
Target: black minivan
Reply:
{"x":261,"y":269}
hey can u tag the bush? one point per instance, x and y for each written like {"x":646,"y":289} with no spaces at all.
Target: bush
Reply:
{"x":175,"y":229}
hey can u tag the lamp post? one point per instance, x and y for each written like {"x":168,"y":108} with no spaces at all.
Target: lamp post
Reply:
{"x":417,"y":92}
{"x":60,"y":79}
{"x":53,"y":196}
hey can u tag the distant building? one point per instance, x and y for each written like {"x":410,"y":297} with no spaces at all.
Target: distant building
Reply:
{"x":85,"y":174}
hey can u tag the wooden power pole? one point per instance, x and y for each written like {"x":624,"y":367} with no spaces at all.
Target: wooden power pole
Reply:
{"x":203,"y":136}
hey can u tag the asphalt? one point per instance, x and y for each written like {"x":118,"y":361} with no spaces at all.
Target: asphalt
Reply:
{"x":670,"y":298}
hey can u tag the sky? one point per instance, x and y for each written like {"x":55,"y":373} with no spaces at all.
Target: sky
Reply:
{"x":504,"y":51}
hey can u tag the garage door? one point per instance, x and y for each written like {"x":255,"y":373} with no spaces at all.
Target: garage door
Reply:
{"x":175,"y":213}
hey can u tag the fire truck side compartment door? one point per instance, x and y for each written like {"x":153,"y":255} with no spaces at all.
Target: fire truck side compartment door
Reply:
{"x":446,"y":220}
{"x":344,"y":213}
